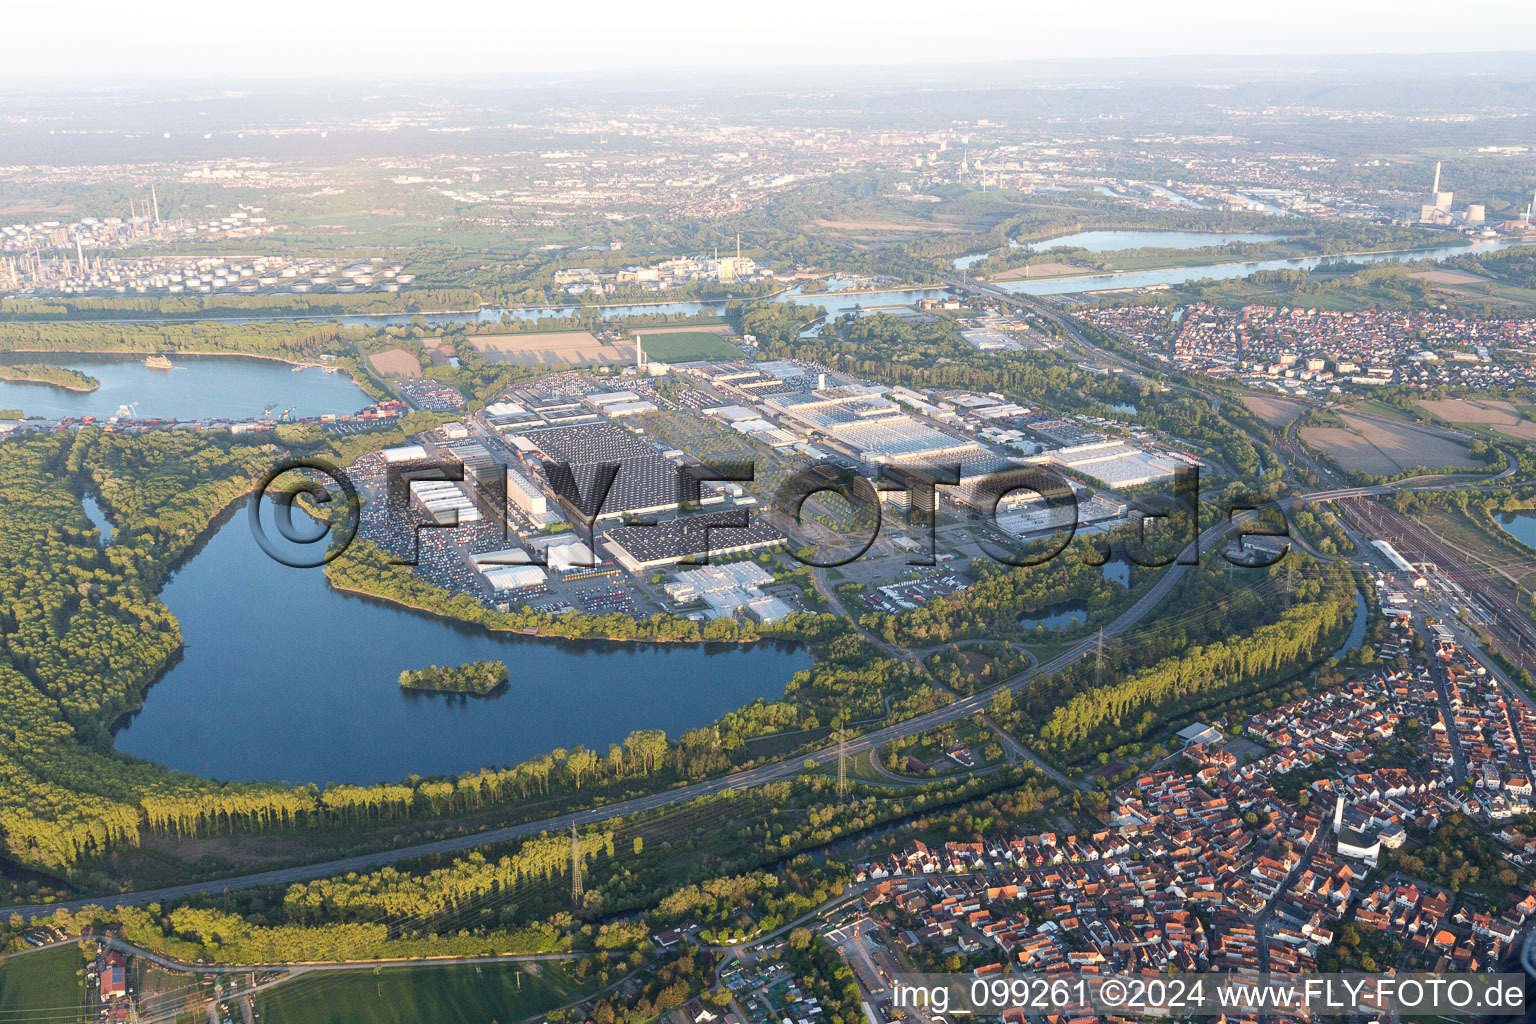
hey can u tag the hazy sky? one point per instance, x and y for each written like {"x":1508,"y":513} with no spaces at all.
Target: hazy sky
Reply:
{"x":284,"y":38}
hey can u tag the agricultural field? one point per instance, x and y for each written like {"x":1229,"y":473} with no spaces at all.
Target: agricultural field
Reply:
{"x":411,"y":995}
{"x":1501,"y":417}
{"x":1274,"y":411}
{"x":571,"y":348}
{"x":396,"y":362}
{"x":1460,"y":286}
{"x":688,"y":345}
{"x":44,"y":986}
{"x":1384,"y":450}
{"x":1041,"y":270}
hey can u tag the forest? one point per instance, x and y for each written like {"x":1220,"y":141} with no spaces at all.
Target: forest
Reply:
{"x":42,"y":373}
{"x":478,"y":677}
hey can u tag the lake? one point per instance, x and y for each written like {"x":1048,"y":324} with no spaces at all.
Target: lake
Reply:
{"x":1118,"y":570}
{"x":202,"y":387}
{"x":285,"y":679}
{"x":1057,"y":616}
{"x":1521,"y":526}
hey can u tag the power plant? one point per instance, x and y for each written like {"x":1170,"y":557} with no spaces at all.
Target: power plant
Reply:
{"x":1438,"y":213}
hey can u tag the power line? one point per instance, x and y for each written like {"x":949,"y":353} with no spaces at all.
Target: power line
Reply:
{"x":575,"y":868}
{"x":842,"y":761}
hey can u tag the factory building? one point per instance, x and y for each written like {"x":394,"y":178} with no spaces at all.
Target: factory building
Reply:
{"x":728,"y":590}
{"x":565,"y":552}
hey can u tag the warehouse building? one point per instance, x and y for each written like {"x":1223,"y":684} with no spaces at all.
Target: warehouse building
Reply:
{"x":695,"y":584}
{"x":445,"y":501}
{"x":765,"y":609}
{"x":1114,"y":464}
{"x":859,"y":416}
{"x":403,"y":454}
{"x":522,"y":493}
{"x":507,"y":578}
{"x":565,"y":552}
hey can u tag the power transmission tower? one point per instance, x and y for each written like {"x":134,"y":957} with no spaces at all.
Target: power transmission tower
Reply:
{"x":575,"y":868}
{"x":1290,"y":582}
{"x":842,"y":761}
{"x":1098,"y":667}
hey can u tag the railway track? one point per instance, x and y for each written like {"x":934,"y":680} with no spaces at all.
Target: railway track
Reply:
{"x":1511,"y":626}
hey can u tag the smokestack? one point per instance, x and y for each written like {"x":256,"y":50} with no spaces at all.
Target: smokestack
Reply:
{"x":79,"y":254}
{"x":1437,"y":178}
{"x":640,"y":353}
{"x":155,"y":199}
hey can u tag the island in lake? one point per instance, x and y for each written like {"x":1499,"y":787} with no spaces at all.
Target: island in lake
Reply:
{"x":478,"y":677}
{"x":42,"y":373}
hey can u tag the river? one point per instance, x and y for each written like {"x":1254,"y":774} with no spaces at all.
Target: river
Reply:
{"x":202,"y":387}
{"x":98,"y":517}
{"x":1115,"y":241}
{"x":1357,"y":627}
{"x":285,"y":679}
{"x":1227,"y":271}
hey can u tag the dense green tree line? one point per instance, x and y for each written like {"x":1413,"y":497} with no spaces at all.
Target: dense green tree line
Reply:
{"x":1213,"y":604}
{"x":396,"y":895}
{"x":299,"y":340}
{"x":471,"y":677}
{"x":1103,"y":716}
{"x":411,"y":300}
{"x":42,"y":373}
{"x":1322,"y":529}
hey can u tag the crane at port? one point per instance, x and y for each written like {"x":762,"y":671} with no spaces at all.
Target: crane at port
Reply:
{"x":127,"y":412}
